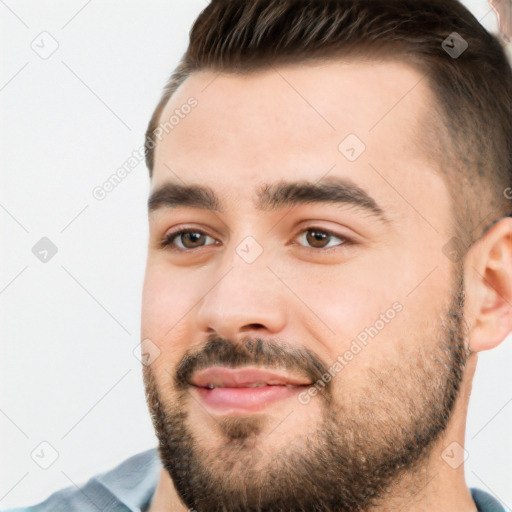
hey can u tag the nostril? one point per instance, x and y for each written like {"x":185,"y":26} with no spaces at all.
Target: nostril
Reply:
{"x":256,"y":326}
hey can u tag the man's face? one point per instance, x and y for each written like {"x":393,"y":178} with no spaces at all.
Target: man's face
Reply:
{"x":353,"y":293}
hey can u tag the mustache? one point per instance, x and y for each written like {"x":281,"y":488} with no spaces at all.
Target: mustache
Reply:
{"x":265,"y":353}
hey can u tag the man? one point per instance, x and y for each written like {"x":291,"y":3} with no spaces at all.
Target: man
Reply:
{"x":329,"y":250}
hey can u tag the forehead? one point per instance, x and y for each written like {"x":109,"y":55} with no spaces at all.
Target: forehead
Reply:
{"x":361,"y":120}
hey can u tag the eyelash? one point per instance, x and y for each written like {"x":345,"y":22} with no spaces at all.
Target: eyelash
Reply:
{"x":167,"y":241}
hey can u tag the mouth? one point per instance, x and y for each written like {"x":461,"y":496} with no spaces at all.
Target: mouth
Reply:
{"x":231,"y":391}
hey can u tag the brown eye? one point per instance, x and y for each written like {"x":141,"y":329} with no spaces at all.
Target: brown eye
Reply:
{"x":192,"y":239}
{"x":317,"y":238}
{"x":186,"y":239}
{"x":321,"y":239}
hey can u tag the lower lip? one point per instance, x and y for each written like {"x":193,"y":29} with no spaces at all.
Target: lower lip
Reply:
{"x":233,"y":400}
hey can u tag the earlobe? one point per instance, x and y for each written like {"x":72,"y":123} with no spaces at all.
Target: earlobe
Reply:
{"x":488,"y":273}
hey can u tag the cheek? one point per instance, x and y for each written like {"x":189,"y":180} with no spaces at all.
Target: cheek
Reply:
{"x":347,"y":298}
{"x":359,"y":313}
{"x":167,"y":298}
{"x":166,"y":302}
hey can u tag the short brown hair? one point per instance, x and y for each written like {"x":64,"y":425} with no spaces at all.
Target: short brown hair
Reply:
{"x":469,"y":130}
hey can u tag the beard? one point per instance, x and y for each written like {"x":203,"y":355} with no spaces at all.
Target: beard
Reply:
{"x":360,"y":447}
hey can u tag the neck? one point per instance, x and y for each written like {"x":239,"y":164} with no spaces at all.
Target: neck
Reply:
{"x":437,"y":484}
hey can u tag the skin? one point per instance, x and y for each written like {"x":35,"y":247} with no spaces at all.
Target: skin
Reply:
{"x":503,"y":10}
{"x":259,"y":129}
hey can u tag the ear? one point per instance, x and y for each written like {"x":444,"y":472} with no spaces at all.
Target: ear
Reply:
{"x":488,"y":279}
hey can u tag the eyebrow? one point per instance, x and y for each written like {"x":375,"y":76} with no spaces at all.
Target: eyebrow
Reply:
{"x":270,"y":197}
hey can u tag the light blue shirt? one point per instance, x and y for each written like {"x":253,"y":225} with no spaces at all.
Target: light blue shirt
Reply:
{"x":130,"y":486}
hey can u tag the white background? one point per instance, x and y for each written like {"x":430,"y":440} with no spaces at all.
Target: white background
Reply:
{"x":69,"y":376}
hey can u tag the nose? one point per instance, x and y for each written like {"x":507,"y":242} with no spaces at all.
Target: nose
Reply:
{"x":243,"y":299}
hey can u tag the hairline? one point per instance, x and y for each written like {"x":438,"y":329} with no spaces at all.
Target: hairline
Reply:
{"x":432,"y":122}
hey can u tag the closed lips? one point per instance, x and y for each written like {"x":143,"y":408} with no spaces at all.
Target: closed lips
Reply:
{"x":222,"y":377}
